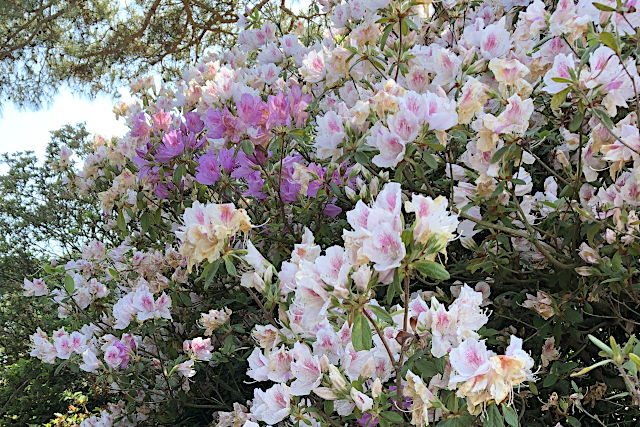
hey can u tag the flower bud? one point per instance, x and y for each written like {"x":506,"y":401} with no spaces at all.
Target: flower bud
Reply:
{"x":376,"y":388}
{"x":368,"y":368}
{"x":268,"y":274}
{"x":337,"y":380}
{"x":251,"y":279}
{"x":282,"y":315}
{"x":362,"y":401}
{"x":325,"y":393}
{"x":584,"y":270}
{"x":374,"y":186}
{"x":324,"y":363}
{"x":363,"y":192}
{"x":351,"y":194}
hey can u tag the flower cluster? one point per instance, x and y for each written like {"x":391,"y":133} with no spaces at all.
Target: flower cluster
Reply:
{"x":207,"y":227}
{"x":385,"y":197}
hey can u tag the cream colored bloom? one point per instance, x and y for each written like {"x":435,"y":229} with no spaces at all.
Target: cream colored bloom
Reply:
{"x":206,"y":227}
{"x":213,"y":319}
{"x":541,"y":303}
{"x":421,"y":398}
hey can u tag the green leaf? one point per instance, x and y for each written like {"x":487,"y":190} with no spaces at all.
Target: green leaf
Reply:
{"x":210,"y":272}
{"x":392,"y":417}
{"x":428,"y":367}
{"x":465,"y":420}
{"x":574,"y":421}
{"x":361,"y":333}
{"x":177,"y":174}
{"x":600,"y":344}
{"x":559,"y":98}
{"x":407,"y":237}
{"x":248,"y":147}
{"x":114,"y":273}
{"x":576,"y":121}
{"x":604,"y":118}
{"x":431,"y":161}
{"x":493,"y":417}
{"x":69,"y":284}
{"x":335,"y":189}
{"x":60,"y":366}
{"x":185,"y":299}
{"x":120,"y":221}
{"x":603,"y":7}
{"x":561,"y":80}
{"x":145,"y":221}
{"x":385,"y":35}
{"x":432,"y":269}
{"x":361,"y":158}
{"x":550,"y":380}
{"x":572,"y":316}
{"x":328,"y":406}
{"x":510,"y":415}
{"x":231,"y":269}
{"x":498,"y":154}
{"x":391,"y":290}
{"x":380,"y":313}
{"x":609,"y":40}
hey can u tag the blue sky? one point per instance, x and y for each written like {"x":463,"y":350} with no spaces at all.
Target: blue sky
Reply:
{"x":22,"y":130}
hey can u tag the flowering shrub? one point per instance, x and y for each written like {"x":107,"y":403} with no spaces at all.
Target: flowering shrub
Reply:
{"x":398,"y":212}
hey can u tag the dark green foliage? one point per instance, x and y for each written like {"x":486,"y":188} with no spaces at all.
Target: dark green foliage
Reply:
{"x":96,"y":45}
{"x":40,"y":216}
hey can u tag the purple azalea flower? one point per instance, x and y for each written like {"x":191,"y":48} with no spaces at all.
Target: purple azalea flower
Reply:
{"x":139,"y":126}
{"x":227,"y":160}
{"x":298,"y":103}
{"x":129,"y":341}
{"x":366,"y":421}
{"x":313,"y":187}
{"x":332,"y":210}
{"x":215,"y":125}
{"x":278,"y":107}
{"x":255,"y":184}
{"x":208,"y":171}
{"x":406,"y":404}
{"x":289,"y":191}
{"x":260,"y":136}
{"x":197,"y":144}
{"x":250,"y":109}
{"x":140,"y":161}
{"x":193,"y":121}
{"x":172,"y":146}
{"x":189,"y":139}
{"x":161,"y":191}
{"x":244,"y":166}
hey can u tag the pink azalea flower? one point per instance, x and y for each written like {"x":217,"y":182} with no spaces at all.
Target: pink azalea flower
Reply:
{"x":469,"y":359}
{"x":305,"y":369}
{"x":273,"y":405}
{"x":90,"y":362}
{"x":35,"y":288}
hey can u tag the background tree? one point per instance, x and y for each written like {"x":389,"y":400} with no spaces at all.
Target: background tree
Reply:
{"x":95,"y":45}
{"x":41,"y":216}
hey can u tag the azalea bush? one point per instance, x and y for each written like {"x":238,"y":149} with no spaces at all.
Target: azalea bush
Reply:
{"x":373,"y":213}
